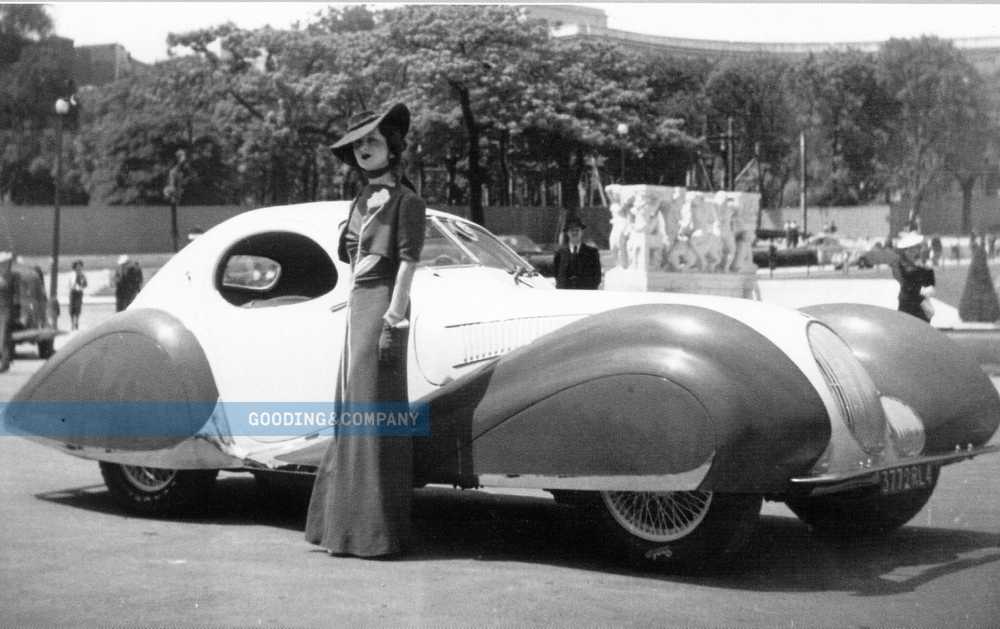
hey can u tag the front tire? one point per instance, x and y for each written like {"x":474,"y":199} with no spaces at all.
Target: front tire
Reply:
{"x":860,"y":512}
{"x":152,"y":491}
{"x":679,"y":530}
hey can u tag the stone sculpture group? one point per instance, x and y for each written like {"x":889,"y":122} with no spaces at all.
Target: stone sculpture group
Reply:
{"x":671,"y":229}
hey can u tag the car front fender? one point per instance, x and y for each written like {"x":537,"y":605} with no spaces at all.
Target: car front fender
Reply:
{"x":911,"y":361}
{"x":649,"y":391}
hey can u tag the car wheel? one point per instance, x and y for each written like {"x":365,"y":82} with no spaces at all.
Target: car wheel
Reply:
{"x":679,"y":530}
{"x":861,"y":511}
{"x":156,"y":491}
{"x":46,"y":349}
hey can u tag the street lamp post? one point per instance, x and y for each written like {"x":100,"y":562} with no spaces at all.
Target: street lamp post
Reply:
{"x":62,"y":108}
{"x":623,"y":131}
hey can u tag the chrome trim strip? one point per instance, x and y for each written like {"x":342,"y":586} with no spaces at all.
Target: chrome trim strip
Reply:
{"x":684,"y":481}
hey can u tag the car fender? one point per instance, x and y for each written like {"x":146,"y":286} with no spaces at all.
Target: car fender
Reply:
{"x":647,"y":391}
{"x":909,"y":360}
{"x":137,"y":356}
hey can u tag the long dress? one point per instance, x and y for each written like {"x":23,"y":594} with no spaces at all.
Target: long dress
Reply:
{"x":361,"y":499}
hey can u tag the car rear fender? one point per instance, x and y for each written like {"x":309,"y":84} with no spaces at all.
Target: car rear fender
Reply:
{"x":137,"y":356}
{"x":909,"y":360}
{"x":647,"y":391}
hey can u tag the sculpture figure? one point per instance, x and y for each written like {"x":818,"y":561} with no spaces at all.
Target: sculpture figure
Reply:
{"x":647,"y":239}
{"x":621,"y":226}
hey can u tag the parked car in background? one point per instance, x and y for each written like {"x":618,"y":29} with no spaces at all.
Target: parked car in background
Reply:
{"x":630,"y":406}
{"x":829,"y":249}
{"x":540,"y":257}
{"x":876,"y":256}
{"x":31,"y":317}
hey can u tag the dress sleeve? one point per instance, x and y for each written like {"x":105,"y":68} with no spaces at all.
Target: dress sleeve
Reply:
{"x":410,"y":228}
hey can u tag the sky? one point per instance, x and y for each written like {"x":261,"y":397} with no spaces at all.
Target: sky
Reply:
{"x":142,"y":27}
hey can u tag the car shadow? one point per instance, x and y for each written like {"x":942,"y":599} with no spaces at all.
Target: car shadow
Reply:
{"x":783,"y":555}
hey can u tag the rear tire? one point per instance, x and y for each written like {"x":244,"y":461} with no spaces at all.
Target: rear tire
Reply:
{"x":860,"y":512}
{"x":154,"y":491}
{"x":680,"y":530}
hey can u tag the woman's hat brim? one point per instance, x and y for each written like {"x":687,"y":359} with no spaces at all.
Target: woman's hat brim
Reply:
{"x":397,"y":116}
{"x":911,"y":239}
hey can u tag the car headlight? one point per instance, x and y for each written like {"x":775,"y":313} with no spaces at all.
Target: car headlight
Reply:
{"x":857,"y":398}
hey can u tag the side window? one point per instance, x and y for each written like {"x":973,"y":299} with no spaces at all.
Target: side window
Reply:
{"x":254,"y":273}
{"x":274,"y":269}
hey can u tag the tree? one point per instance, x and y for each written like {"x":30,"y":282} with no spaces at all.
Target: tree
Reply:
{"x":847,"y":112}
{"x":754,"y":92}
{"x":933,"y":86}
{"x":470,"y":64}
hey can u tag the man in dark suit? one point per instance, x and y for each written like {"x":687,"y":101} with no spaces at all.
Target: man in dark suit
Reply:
{"x":577,"y":265}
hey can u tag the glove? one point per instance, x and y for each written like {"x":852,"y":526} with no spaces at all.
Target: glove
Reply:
{"x":391,"y":345}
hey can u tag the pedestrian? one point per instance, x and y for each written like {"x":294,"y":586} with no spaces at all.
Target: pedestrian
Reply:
{"x":174,"y":191}
{"x":577,"y":265}
{"x":793,"y":235}
{"x":937,"y":250}
{"x":361,"y":499}
{"x":127,"y":281}
{"x":76,"y":285}
{"x":916,"y":282}
{"x":8,"y":291}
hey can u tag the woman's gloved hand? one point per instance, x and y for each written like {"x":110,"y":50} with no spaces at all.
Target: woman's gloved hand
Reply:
{"x":392,"y":344}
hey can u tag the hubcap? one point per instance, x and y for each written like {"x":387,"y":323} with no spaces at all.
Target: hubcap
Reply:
{"x":149,"y":479}
{"x":658,"y":516}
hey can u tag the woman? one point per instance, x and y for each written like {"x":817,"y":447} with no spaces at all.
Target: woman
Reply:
{"x":916,"y":282}
{"x":361,"y":500}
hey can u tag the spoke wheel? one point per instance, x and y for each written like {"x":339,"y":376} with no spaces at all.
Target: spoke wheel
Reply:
{"x":157,"y":491}
{"x":658,"y":517}
{"x":680,"y":530}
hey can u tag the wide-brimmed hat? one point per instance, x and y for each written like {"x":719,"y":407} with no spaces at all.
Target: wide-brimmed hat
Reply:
{"x":573,"y":222}
{"x":909,"y":239}
{"x":364,"y":123}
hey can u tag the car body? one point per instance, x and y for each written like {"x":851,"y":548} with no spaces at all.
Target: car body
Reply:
{"x":32,"y":321}
{"x":541,"y":258}
{"x":670,"y":416}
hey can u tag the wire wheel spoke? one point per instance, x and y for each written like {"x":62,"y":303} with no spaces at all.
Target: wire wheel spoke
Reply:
{"x":148,"y":478}
{"x":658,"y":516}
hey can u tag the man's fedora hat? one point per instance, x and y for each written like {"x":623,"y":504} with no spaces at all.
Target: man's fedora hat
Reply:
{"x":364,"y":123}
{"x":572,"y":222}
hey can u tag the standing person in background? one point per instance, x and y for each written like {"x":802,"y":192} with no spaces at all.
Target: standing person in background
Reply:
{"x":174,"y":190}
{"x":362,"y":495}
{"x":577,"y":265}
{"x":76,"y":285}
{"x":916,"y":282}
{"x":8,"y":290}
{"x":128,"y":282}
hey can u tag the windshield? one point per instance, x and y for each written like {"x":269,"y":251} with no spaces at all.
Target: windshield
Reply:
{"x":487,"y":249}
{"x":440,"y":250}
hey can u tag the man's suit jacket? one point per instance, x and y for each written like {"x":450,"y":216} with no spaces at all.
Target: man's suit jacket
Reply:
{"x":580,"y":271}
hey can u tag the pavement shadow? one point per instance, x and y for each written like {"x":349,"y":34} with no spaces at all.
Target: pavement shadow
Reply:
{"x":783,"y":555}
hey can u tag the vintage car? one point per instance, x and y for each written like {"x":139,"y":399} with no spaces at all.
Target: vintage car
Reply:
{"x":32,"y":322}
{"x":668,"y":417}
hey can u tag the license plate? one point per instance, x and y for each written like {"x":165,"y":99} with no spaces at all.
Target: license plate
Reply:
{"x":907,"y":478}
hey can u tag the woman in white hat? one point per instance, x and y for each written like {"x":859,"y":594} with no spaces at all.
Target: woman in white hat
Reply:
{"x":916,"y":282}
{"x":361,"y":499}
